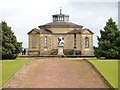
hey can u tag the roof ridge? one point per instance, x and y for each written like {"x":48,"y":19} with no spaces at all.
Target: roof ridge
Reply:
{"x":60,"y":23}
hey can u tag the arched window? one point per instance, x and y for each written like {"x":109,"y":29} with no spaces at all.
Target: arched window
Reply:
{"x":86,"y":42}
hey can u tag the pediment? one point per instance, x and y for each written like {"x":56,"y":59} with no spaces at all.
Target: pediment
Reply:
{"x":34,"y":31}
{"x":86,"y":31}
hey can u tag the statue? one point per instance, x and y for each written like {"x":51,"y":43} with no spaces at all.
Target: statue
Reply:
{"x":60,"y":45}
{"x":61,"y":41}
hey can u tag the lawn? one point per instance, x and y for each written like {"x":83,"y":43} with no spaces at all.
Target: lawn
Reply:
{"x":10,"y":67}
{"x":108,"y":68}
{"x":0,"y":73}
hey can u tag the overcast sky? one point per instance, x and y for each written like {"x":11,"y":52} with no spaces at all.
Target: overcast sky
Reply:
{"x":24,"y":15}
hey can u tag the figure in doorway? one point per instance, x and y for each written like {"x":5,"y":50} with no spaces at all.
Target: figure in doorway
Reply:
{"x":24,"y":52}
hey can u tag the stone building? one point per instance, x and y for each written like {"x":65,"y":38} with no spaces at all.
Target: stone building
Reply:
{"x":44,"y":41}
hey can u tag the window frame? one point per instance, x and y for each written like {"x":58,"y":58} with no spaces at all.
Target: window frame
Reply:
{"x":45,"y":42}
{"x":86,"y":42}
{"x":34,"y":45}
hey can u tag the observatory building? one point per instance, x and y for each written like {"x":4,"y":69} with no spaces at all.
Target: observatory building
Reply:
{"x":72,"y":38}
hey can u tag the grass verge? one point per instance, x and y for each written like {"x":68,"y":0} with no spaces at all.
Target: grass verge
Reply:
{"x":108,"y":68}
{"x":10,"y":67}
{"x":0,"y":73}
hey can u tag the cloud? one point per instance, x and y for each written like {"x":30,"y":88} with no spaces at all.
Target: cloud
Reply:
{"x":23,"y":15}
{"x":93,"y":15}
{"x":93,"y":0}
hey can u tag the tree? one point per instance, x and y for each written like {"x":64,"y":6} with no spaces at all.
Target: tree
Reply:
{"x":109,"y":42}
{"x":10,"y":47}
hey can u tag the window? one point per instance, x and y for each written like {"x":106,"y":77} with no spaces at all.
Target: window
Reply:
{"x":34,"y":42}
{"x":86,"y":42}
{"x":45,"y":42}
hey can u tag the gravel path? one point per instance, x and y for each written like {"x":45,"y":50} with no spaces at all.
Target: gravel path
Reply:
{"x":57,"y":73}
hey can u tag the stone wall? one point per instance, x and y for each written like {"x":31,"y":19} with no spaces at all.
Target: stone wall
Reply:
{"x":34,"y":42}
{"x":45,"y":48}
{"x":61,"y":29}
{"x":40,"y":48}
{"x":87,"y":51}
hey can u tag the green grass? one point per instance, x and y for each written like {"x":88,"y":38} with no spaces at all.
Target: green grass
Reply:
{"x":10,"y":67}
{"x":108,"y":68}
{"x":0,"y":73}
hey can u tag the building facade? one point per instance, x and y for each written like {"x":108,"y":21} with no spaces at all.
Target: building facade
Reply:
{"x":44,"y":41}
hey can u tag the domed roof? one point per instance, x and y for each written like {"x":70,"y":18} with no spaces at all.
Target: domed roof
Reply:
{"x":60,"y":20}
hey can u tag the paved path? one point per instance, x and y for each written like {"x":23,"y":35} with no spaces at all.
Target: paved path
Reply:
{"x":57,"y":73}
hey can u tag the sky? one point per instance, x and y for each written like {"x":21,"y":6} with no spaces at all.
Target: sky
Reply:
{"x":24,"y":15}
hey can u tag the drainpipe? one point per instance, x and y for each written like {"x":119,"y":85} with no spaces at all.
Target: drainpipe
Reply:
{"x":74,"y":49}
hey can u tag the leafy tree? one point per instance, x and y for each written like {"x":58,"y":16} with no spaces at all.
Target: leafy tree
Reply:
{"x":0,"y":42}
{"x":109,"y":42}
{"x":10,"y":47}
